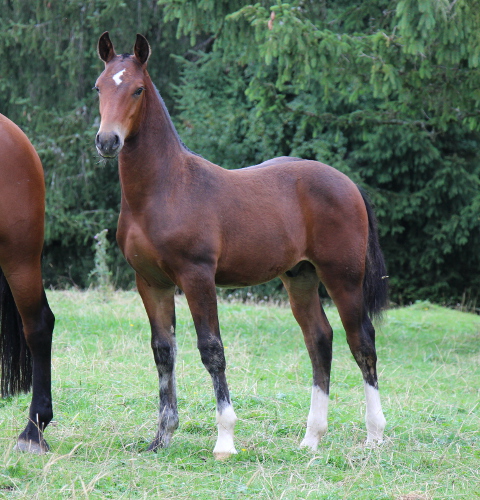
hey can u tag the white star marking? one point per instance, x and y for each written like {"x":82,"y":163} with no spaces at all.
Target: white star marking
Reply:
{"x":117,"y":77}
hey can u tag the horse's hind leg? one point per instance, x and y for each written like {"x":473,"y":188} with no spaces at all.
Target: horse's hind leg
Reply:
{"x":38,"y":321}
{"x":302,"y":287}
{"x":374,"y":418}
{"x":361,"y":340}
{"x":160,"y":306}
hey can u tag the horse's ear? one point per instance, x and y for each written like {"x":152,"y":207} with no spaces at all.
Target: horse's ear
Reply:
{"x":105,"y":49}
{"x":142,"y":49}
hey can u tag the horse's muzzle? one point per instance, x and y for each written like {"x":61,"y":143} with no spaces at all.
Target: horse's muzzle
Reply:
{"x":108,"y":144}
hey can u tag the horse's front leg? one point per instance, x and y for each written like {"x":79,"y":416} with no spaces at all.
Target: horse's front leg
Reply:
{"x":160,"y":306}
{"x":199,"y":288}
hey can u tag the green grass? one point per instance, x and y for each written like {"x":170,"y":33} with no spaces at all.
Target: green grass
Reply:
{"x":105,"y":403}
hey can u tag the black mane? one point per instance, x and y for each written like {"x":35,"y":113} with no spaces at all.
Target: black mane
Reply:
{"x":162,"y":102}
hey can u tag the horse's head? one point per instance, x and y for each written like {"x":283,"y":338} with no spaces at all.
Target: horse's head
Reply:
{"x":121,"y":89}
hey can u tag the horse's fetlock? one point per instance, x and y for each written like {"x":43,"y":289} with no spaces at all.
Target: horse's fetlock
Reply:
{"x":168,"y":418}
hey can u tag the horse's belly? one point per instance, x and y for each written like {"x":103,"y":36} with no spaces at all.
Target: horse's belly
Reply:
{"x":234,"y":280}
{"x":256,"y":265}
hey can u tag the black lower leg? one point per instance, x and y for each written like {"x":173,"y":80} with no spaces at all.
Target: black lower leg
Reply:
{"x":302,"y":286}
{"x":164,"y":352}
{"x":41,"y":411}
{"x":213,"y":358}
{"x":363,"y":350}
{"x":321,"y":357}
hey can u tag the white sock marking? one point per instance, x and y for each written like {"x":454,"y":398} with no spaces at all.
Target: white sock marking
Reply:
{"x":117,"y":77}
{"x":317,"y":419}
{"x":374,"y":418}
{"x":226,"y":419}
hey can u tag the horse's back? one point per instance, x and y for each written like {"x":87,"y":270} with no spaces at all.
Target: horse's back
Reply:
{"x":275,"y":161}
{"x":287,"y":210}
{"x":304,"y":182}
{"x":298,"y":168}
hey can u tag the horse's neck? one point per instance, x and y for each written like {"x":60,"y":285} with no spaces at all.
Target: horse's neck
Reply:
{"x":153,"y":157}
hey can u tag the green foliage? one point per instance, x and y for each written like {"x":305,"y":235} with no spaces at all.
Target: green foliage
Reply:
{"x":386,"y":91}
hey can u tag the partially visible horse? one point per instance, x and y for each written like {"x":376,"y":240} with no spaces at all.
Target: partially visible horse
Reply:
{"x":26,"y":321}
{"x":189,"y":223}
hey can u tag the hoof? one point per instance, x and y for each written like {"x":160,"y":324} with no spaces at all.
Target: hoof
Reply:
{"x":158,"y":444}
{"x":223,"y":455}
{"x":375,"y":432}
{"x":154,"y":445}
{"x":373,"y":443}
{"x":162,"y":440}
{"x":32,"y":447}
{"x":223,"y":451}
{"x":310,"y":443}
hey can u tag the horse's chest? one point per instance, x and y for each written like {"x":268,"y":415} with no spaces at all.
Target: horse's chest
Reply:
{"x":146,"y":257}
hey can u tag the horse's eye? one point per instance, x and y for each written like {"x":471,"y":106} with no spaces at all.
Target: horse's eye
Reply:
{"x":138,"y":91}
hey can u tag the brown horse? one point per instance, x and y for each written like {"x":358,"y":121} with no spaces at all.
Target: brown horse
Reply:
{"x":26,"y":321}
{"x":189,"y":223}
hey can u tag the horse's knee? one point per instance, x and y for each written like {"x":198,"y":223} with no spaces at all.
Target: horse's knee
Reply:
{"x":48,"y":320}
{"x":164,"y":353}
{"x":212,"y":354}
{"x":324,"y":337}
{"x":38,"y":333}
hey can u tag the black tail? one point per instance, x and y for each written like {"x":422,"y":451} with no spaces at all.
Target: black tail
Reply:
{"x":14,"y":353}
{"x":375,"y":282}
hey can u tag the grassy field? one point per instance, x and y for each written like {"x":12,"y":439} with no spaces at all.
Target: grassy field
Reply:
{"x":105,"y":402}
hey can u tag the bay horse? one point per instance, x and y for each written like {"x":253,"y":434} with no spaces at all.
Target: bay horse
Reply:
{"x":26,"y":321}
{"x":189,"y":223}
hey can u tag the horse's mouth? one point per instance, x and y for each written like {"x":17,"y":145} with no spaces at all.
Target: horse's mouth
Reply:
{"x":108,"y":155}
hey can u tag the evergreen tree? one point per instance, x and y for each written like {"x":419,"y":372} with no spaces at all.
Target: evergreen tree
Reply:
{"x":384,"y":91}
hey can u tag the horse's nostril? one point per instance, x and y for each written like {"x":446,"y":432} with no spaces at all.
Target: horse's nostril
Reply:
{"x":108,"y":144}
